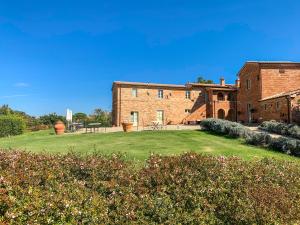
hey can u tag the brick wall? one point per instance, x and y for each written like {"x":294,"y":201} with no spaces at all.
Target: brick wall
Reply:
{"x":202,"y":104}
{"x":249,"y":96}
{"x":275,"y":109}
{"x":174,"y":103}
{"x":295,"y":108}
{"x":275,"y":80}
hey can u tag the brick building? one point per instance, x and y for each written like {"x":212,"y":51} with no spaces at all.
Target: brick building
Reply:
{"x":263,"y":91}
{"x":269,"y":91}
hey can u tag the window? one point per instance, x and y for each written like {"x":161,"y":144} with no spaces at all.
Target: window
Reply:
{"x":160,"y":94}
{"x":220,"y":96}
{"x":188,"y":94}
{"x":265,"y":106}
{"x":249,"y":107}
{"x":187,"y":111}
{"x":134,"y":92}
{"x":248,"y":84}
{"x":277,"y":105}
{"x":257,"y":77}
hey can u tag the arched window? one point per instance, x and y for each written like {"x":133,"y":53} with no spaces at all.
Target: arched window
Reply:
{"x":220,"y":96}
{"x":221,"y":114}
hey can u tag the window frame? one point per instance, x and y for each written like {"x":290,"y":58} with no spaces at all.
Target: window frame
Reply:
{"x":248,"y":84}
{"x":134,"y":92}
{"x":277,"y":105}
{"x":160,"y":93}
{"x":187,"y":94}
{"x":187,"y":111}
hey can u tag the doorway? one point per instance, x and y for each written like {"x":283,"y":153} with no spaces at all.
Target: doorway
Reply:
{"x":160,"y":116}
{"x":134,"y":117}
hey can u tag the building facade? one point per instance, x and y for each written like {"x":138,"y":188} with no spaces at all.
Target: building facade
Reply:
{"x":268,"y":91}
{"x":263,"y":91}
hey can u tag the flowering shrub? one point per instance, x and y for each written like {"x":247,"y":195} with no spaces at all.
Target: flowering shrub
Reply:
{"x":281,"y":128}
{"x":186,"y":189}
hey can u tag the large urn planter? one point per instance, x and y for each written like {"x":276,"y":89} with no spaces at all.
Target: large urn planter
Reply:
{"x":127,"y":127}
{"x":59,"y":128}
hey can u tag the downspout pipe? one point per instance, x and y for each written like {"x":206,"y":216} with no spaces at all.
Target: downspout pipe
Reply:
{"x":289,"y":109}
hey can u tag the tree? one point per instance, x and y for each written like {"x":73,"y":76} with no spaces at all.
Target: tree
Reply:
{"x":80,"y":117}
{"x":51,"y":119}
{"x":102,"y":116}
{"x":5,"y":110}
{"x":201,"y":80}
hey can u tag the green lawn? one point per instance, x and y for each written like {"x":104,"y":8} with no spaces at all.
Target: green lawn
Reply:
{"x":138,"y":145}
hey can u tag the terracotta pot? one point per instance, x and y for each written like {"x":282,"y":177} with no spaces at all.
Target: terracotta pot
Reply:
{"x":127,"y":127}
{"x":59,"y":128}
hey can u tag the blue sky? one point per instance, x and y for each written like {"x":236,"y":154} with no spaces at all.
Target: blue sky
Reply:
{"x":65,"y":54}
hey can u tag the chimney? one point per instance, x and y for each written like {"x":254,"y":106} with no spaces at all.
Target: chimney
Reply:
{"x":222,"y":81}
{"x":237,"y":83}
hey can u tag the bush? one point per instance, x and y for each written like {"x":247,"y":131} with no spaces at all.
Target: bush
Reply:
{"x":11,"y":125}
{"x":232,"y":129}
{"x":219,"y":126}
{"x":258,"y":138}
{"x":281,"y":128}
{"x":285,"y":145}
{"x":186,"y":189}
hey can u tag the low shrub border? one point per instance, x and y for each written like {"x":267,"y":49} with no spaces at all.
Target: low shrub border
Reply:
{"x":185,"y":189}
{"x":284,"y":144}
{"x":272,"y":126}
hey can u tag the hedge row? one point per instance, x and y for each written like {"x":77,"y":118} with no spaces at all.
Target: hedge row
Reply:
{"x":283,"y":144}
{"x":11,"y":125}
{"x":226,"y":127}
{"x":291,"y":130}
{"x":186,"y":189}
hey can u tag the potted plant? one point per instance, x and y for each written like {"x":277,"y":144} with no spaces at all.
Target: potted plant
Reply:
{"x":59,"y":127}
{"x":127,"y":126}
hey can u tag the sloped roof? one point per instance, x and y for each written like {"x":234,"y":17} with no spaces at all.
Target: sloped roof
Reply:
{"x":148,"y":84}
{"x":270,"y":64}
{"x":211,"y":85}
{"x":282,"y":94}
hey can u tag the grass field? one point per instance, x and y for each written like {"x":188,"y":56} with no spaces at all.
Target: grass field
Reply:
{"x":138,"y":145}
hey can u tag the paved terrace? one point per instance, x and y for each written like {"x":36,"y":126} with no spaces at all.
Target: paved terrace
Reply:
{"x":141,"y":128}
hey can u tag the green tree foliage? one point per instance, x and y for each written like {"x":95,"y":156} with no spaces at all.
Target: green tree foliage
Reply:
{"x":11,"y":125}
{"x":5,"y":110}
{"x":80,"y":117}
{"x":101,"y":116}
{"x":51,"y":119}
{"x":201,"y":80}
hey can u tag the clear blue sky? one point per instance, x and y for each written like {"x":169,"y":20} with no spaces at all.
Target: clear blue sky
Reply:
{"x":65,"y":54}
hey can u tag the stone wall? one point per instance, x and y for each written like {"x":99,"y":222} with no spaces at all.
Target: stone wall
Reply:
{"x":275,"y":109}
{"x":174,"y":104}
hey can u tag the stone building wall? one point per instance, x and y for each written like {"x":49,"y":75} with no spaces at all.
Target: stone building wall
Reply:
{"x":295,"y":108}
{"x":274,"y":109}
{"x":249,"y":96}
{"x":176,"y":107}
{"x":275,"y":80}
{"x":174,"y":104}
